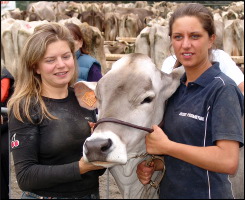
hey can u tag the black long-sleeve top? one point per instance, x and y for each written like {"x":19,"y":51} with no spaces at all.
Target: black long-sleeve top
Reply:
{"x":46,"y":154}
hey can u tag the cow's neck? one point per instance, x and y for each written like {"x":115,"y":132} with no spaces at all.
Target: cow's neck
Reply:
{"x":128,"y":182}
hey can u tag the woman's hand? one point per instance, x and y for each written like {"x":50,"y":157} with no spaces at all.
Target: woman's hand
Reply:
{"x":157,"y":142}
{"x":87,"y":166}
{"x":91,"y":124}
{"x":145,"y":172}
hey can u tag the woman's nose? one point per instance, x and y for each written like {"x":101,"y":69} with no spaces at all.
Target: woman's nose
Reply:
{"x":60,"y":62}
{"x":186,"y":43}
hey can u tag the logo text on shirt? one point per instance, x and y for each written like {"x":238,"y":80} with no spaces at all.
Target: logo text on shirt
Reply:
{"x":191,"y":116}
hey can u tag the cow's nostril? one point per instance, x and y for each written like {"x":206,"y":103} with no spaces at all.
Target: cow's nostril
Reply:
{"x":98,"y":149}
{"x":106,"y":146}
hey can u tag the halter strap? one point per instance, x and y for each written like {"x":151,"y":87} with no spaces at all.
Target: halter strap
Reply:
{"x":117,"y":121}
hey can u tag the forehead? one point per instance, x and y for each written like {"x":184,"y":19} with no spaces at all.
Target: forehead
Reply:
{"x":189,"y":23}
{"x":56,"y":48}
{"x":128,"y":74}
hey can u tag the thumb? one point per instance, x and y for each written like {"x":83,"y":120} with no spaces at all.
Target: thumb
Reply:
{"x":156,"y":128}
{"x":91,"y":124}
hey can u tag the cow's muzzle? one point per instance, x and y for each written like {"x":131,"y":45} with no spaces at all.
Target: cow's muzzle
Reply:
{"x":97,"y":150}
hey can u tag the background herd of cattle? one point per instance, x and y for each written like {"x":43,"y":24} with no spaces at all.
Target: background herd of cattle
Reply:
{"x":115,"y":29}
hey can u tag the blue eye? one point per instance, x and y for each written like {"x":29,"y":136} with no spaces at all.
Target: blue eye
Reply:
{"x":67,"y":57}
{"x":50,"y":61}
{"x":178,"y":37}
{"x":195,"y":36}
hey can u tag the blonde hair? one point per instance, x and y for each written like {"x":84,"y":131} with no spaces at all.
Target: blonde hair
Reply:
{"x":27,"y":90}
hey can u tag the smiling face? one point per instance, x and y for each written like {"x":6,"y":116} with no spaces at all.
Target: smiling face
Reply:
{"x":191,"y":42}
{"x":57,"y":66}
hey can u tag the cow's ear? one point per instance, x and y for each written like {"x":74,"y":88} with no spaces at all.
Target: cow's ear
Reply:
{"x":178,"y":72}
{"x":173,"y":80}
{"x":85,"y":94}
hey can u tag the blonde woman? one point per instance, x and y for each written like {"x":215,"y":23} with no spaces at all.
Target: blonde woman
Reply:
{"x":47,"y":125}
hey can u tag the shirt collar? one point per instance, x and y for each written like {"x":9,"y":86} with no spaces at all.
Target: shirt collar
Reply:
{"x":206,"y":77}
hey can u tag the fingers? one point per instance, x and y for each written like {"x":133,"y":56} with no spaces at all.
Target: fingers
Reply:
{"x":91,"y":124}
{"x":156,"y":128}
{"x":144,"y":172}
{"x":95,"y":167}
{"x":144,"y":177}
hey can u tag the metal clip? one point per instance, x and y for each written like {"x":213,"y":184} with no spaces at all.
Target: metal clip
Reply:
{"x":152,"y":183}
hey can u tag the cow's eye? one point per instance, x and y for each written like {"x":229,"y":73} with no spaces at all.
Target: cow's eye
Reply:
{"x":147,"y":100}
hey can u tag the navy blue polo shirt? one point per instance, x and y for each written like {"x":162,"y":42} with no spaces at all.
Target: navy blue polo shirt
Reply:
{"x":207,"y":110}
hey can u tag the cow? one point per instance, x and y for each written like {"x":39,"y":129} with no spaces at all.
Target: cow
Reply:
{"x":93,"y":18}
{"x":149,"y":21}
{"x":130,"y":25}
{"x":134,"y":91}
{"x":233,"y":37}
{"x":44,"y":10}
{"x":14,"y":33}
{"x":141,"y":4}
{"x":111,"y":26}
{"x":219,"y":29}
{"x":116,"y":47}
{"x":141,"y":12}
{"x":125,"y":22}
{"x":108,"y":7}
{"x":154,"y":42}
{"x":95,"y":43}
{"x":15,"y":14}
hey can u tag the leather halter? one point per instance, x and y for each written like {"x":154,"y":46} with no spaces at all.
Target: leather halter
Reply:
{"x":117,"y":121}
{"x":154,"y":184}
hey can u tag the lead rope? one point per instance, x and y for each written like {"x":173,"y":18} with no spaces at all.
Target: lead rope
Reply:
{"x":153,"y":184}
{"x":108,"y":183}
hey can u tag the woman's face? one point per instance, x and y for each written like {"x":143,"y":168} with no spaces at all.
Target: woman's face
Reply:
{"x":191,"y":42}
{"x":57,"y":66}
{"x":78,"y":44}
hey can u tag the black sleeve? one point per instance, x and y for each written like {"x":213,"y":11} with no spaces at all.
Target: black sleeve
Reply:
{"x":24,"y":138}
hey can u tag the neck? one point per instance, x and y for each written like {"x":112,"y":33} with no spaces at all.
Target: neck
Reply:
{"x":192,"y":73}
{"x":55,"y":93}
{"x":128,"y":182}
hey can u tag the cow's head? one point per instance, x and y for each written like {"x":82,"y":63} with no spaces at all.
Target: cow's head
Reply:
{"x":134,"y":90}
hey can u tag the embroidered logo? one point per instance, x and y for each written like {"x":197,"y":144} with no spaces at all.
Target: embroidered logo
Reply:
{"x":197,"y":117}
{"x":88,"y":118}
{"x":14,"y":142}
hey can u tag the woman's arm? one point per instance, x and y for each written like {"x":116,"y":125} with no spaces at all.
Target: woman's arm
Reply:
{"x":30,"y":174}
{"x":222,"y":158}
{"x":225,"y":128}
